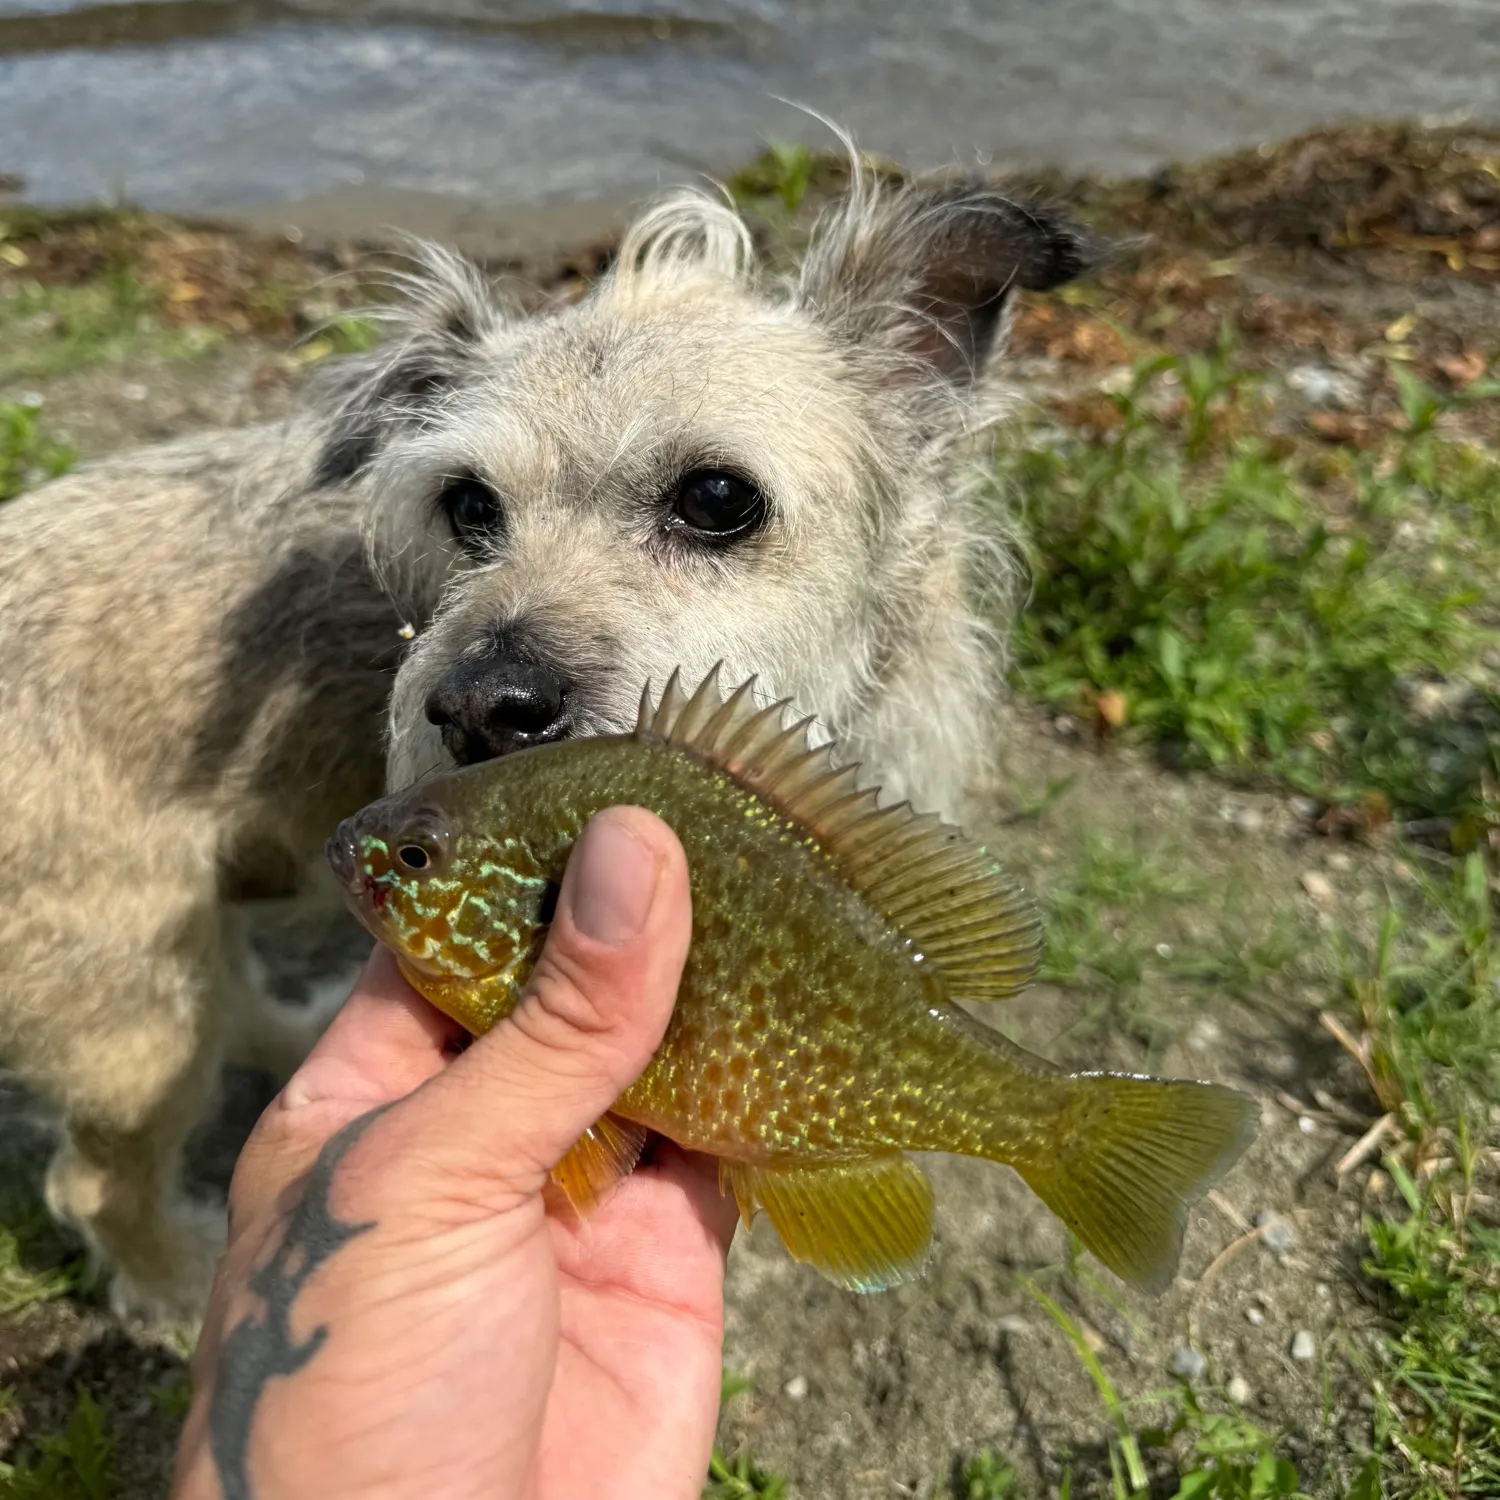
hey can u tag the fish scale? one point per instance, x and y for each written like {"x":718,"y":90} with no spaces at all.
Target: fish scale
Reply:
{"x":817,"y":1035}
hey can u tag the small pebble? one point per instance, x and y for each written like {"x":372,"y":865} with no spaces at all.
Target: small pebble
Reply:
{"x":1254,"y":1316}
{"x":1276,"y":1233}
{"x":1303,"y":1345}
{"x":1012,"y":1323}
{"x":1305,"y":808}
{"x":1318,"y":886}
{"x":1376,"y":1183}
{"x":1307,"y":1125}
{"x":796,"y":1388}
{"x":134,"y":391}
{"x":32,"y":399}
{"x":1238,"y":1390}
{"x":1203,"y":1035}
{"x":1164,"y":950}
{"x":1186,"y":1363}
{"x":1249,"y":820}
{"x":1338,"y":860}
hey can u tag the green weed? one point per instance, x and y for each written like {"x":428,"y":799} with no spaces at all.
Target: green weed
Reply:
{"x":27,"y":455}
{"x":780,"y":175}
{"x":987,"y":1476}
{"x":32,"y":1270}
{"x":1228,"y":1457}
{"x":1437,"y":1373}
{"x":1188,"y":564}
{"x":1429,"y":1000}
{"x":740,"y":1477}
{"x":75,"y":1464}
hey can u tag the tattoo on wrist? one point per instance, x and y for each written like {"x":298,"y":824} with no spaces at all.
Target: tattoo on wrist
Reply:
{"x":261,"y":1347}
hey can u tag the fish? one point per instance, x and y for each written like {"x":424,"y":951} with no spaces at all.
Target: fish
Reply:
{"x":819,"y":1033}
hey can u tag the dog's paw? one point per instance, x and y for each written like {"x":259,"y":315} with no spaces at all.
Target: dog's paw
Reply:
{"x":171,"y":1288}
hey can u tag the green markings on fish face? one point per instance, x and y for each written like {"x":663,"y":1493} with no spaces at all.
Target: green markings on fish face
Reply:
{"x":452,"y":905}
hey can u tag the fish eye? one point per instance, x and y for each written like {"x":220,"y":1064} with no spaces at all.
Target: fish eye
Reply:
{"x":473,"y":511}
{"x":717,"y":505}
{"x":421,"y":847}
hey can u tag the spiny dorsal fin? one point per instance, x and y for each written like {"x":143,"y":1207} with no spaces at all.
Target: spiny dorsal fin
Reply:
{"x":943,"y":891}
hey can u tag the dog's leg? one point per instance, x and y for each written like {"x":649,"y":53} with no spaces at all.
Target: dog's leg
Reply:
{"x":273,"y":1033}
{"x":132,"y":1098}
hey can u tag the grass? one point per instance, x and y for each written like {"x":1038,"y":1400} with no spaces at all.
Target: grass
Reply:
{"x":740,"y":1477}
{"x":1258,"y":609}
{"x":27,"y":455}
{"x":76,"y":1464}
{"x":51,"y":330}
{"x":36,"y":1266}
{"x":1428,"y":999}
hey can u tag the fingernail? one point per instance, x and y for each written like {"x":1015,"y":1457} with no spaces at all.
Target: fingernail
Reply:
{"x":614,"y":883}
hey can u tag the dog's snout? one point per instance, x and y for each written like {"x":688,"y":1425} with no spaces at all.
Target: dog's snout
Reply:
{"x":497,"y":704}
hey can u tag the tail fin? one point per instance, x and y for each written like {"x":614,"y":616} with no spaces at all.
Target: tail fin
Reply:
{"x":1133,"y":1155}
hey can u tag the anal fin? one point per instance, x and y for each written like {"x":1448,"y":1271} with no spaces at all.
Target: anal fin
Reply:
{"x":607,"y":1151}
{"x":864,"y":1224}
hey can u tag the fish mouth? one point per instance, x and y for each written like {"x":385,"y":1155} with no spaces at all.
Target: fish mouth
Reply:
{"x":363,"y":894}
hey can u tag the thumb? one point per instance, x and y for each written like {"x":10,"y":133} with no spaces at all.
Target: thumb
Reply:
{"x":598,"y":1002}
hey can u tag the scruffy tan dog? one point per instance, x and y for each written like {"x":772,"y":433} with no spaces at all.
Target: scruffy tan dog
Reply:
{"x":696,"y":461}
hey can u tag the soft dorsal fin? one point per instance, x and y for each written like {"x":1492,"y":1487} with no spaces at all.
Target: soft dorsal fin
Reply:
{"x":943,"y":891}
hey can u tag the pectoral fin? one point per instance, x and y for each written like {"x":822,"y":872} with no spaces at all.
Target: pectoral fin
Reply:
{"x":607,"y":1151}
{"x":864,"y":1224}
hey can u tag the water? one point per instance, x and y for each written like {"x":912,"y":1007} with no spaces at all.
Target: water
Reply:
{"x":218,"y":104}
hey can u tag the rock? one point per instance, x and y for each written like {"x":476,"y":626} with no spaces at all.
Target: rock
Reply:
{"x":1339,"y":861}
{"x":134,"y":391}
{"x":1012,"y":1324}
{"x":1204,"y":1034}
{"x":1186,"y":1363}
{"x":1318,"y":887}
{"x":1321,"y":386}
{"x":1276,"y":1233}
{"x":796,"y":1388}
{"x":1304,"y":1346}
{"x":1249,"y":820}
{"x":1306,"y":808}
{"x":1254,"y":1316}
{"x":1238,"y":1390}
{"x":1307,"y":1125}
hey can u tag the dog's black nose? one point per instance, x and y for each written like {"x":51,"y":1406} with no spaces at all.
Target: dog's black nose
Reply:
{"x":496,"y":704}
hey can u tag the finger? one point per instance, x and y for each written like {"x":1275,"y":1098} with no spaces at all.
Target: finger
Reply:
{"x":385,"y":1042}
{"x":598,"y":1002}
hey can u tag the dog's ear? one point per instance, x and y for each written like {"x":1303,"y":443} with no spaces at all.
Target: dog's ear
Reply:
{"x":924,"y":273}
{"x":443,"y":313}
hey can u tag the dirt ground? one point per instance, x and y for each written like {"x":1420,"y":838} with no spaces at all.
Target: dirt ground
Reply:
{"x":1204,"y":952}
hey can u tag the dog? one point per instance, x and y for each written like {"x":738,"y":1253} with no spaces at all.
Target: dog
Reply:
{"x":205,"y":647}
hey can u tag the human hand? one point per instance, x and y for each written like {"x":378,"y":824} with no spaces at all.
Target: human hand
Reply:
{"x":397,"y":1316}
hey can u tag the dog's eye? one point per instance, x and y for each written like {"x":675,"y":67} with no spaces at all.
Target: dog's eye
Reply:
{"x":718,"y":504}
{"x":472,"y":508}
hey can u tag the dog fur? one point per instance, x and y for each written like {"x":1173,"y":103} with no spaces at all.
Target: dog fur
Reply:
{"x":198,"y":642}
